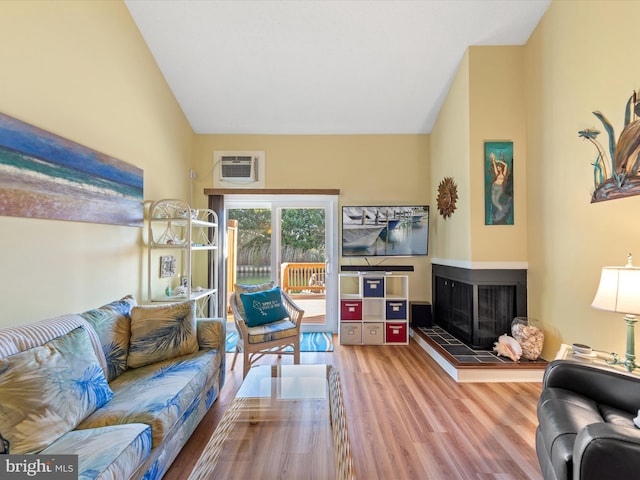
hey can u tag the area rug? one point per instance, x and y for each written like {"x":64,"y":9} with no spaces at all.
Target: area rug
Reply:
{"x":310,"y":342}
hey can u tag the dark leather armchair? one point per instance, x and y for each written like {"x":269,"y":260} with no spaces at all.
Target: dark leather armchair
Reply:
{"x":585,"y":422}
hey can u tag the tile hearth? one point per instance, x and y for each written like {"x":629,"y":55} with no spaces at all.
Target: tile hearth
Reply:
{"x":465,"y":364}
{"x":464,"y":354}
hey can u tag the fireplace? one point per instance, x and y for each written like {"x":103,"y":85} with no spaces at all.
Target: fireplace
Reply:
{"x":477,"y":306}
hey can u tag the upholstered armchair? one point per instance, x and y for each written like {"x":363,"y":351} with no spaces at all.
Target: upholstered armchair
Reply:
{"x":269,"y":338}
{"x":586,"y":422}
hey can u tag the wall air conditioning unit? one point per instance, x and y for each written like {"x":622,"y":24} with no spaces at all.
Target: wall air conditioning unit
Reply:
{"x":238,"y":169}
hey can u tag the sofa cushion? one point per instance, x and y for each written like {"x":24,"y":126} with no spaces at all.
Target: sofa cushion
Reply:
{"x":263,"y":307}
{"x":23,"y":337}
{"x":107,"y":452}
{"x":112,"y":322}
{"x":48,"y":390}
{"x":565,"y":413}
{"x":162,"y":332}
{"x":239,"y":289}
{"x":616,"y":416}
{"x":272,"y":331}
{"x":211,"y":333}
{"x":157,"y":395}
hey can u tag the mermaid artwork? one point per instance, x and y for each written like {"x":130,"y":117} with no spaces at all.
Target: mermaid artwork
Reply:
{"x":501,"y":204}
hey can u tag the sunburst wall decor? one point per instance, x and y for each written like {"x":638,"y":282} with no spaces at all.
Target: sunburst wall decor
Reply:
{"x":447,"y":196}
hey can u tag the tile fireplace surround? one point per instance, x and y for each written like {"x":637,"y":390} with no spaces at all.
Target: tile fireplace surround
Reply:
{"x":478,"y":305}
{"x":465,"y":364}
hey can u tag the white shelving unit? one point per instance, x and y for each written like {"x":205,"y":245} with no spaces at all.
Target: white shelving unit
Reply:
{"x":373,"y":309}
{"x":182,"y":256}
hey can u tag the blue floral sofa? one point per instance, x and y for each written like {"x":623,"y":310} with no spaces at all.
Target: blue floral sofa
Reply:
{"x":122,"y":386}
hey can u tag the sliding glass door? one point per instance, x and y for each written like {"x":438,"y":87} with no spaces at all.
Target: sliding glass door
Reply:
{"x":290,"y":240}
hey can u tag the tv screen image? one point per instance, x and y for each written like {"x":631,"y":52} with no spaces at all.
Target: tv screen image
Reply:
{"x":378,"y":231}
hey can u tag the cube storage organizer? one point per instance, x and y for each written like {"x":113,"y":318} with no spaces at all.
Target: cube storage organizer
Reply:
{"x":373,"y":309}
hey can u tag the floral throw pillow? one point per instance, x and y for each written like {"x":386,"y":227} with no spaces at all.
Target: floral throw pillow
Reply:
{"x":161,"y":332}
{"x":112,"y":323}
{"x":48,"y":390}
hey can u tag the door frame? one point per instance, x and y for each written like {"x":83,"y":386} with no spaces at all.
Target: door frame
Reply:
{"x":276,"y":202}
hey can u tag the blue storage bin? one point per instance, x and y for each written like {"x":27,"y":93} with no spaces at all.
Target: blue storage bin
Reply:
{"x":374,"y":287}
{"x":396,"y":309}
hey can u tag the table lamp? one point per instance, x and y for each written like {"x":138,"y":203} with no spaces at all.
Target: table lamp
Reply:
{"x":619,"y":291}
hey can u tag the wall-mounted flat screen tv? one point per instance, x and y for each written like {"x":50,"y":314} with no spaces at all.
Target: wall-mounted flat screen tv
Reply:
{"x":378,"y":231}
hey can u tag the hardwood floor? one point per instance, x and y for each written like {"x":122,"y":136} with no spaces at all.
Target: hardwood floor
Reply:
{"x":409,"y":420}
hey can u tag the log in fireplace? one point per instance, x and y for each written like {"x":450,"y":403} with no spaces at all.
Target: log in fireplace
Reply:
{"x":477,"y":306}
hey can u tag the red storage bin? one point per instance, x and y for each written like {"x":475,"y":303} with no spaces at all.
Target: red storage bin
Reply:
{"x":350,"y":309}
{"x":396,"y":332}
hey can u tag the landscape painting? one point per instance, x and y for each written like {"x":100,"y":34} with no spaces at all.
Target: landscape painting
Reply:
{"x":43,"y":175}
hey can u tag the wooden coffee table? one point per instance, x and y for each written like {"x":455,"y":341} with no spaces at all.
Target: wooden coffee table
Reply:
{"x":286,"y":421}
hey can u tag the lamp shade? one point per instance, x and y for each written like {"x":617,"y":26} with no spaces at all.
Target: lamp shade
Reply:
{"x":619,"y":290}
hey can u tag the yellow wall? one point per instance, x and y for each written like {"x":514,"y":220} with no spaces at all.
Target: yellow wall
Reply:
{"x":368,"y":169}
{"x":496,"y":114}
{"x":582,"y":57}
{"x":82,"y":71}
{"x":451,"y":237}
{"x":484,"y":103}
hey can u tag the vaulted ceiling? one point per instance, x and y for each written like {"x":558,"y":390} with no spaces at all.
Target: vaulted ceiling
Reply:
{"x":321,"y":67}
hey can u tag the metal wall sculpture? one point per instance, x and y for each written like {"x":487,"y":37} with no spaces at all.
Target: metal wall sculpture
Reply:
{"x":615,"y":169}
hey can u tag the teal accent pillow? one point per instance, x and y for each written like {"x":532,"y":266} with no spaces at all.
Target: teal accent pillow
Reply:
{"x":263,"y":307}
{"x":239,"y":289}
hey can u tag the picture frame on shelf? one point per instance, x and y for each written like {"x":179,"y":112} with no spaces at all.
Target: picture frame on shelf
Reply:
{"x":167,"y":266}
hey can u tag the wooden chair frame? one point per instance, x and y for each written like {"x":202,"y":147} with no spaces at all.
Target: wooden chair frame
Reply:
{"x":254,"y":351}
